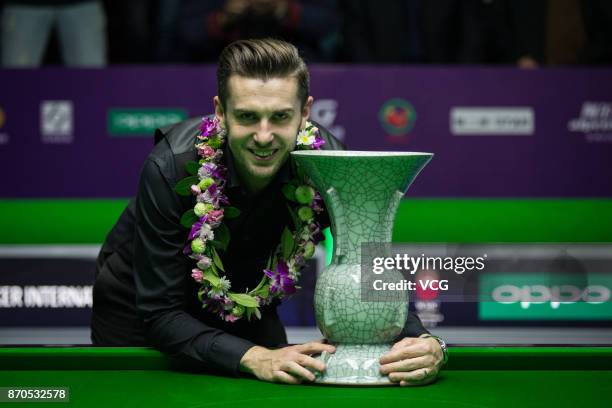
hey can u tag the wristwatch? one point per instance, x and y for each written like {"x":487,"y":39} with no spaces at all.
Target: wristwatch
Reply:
{"x":442,"y":344}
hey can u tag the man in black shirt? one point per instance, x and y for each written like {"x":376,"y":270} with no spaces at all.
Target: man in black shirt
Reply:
{"x":144,"y":293}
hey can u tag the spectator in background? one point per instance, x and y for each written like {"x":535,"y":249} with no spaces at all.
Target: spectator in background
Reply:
{"x":597,"y":16}
{"x":168,"y":12}
{"x":525,"y":33}
{"x":381,"y":31}
{"x":206,"y":27}
{"x":564,"y":38}
{"x":131,"y":30}
{"x":549,"y":32}
{"x":27,"y":24}
{"x":435,"y":31}
{"x":530,"y":33}
{"x":502,"y":32}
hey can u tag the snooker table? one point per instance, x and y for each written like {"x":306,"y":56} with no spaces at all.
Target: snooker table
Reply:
{"x":473,"y":377}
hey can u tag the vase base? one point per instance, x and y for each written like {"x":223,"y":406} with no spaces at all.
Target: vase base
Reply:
{"x":354,"y":364}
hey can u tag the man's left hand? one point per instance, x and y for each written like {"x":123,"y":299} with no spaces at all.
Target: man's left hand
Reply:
{"x":413,"y":361}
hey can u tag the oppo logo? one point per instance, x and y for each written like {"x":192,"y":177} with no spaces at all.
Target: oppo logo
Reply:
{"x":527,"y":295}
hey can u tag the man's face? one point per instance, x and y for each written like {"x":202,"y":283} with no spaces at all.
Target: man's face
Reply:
{"x":262,"y":119}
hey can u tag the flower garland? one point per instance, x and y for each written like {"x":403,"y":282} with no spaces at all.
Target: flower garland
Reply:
{"x":208,"y":232}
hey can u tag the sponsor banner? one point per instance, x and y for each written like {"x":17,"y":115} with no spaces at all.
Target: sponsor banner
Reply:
{"x":56,"y":122}
{"x":141,"y":122}
{"x":544,"y":296}
{"x":370,"y":108}
{"x":51,"y":285}
{"x":397,"y":117}
{"x":520,"y":282}
{"x":492,"y":121}
{"x":594,"y":122}
{"x":45,"y":291}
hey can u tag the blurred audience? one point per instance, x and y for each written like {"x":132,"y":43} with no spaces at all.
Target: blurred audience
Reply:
{"x":206,"y":27}
{"x":131,"y":30}
{"x":381,"y":31}
{"x":597,"y":16}
{"x":27,"y":25}
{"x":524,"y":33}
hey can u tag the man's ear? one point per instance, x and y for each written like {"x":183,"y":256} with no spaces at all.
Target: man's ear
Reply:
{"x":218,"y":109}
{"x":306,"y":111}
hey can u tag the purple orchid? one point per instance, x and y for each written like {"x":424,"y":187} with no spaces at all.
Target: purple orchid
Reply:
{"x":220,"y":172}
{"x":280,"y":279}
{"x":207,"y":170}
{"x":208,"y":126}
{"x":317,"y":203}
{"x":195,"y":229}
{"x":213,"y":195}
{"x":318,"y":142}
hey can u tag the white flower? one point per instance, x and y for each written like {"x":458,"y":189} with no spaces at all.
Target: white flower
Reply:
{"x":224,"y":284}
{"x":304,"y":139}
{"x":203,"y":262}
{"x":206,"y":232}
{"x":291,"y":265}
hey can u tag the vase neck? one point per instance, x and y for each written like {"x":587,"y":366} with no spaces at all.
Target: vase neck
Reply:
{"x":359,"y":220}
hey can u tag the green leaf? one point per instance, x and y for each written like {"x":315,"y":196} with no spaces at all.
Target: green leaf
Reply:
{"x":223,"y":235}
{"x":259,"y":285}
{"x":215,"y":244}
{"x":263,"y":292}
{"x":189,"y":218}
{"x":183,"y":187}
{"x":248,"y":312}
{"x":243,"y":299}
{"x":231,"y":212}
{"x":287,"y":243}
{"x":192,"y":167}
{"x":257,"y":313}
{"x":217,"y":260}
{"x":212,"y":278}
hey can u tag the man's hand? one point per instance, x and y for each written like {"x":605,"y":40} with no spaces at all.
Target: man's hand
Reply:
{"x":413,"y":361}
{"x":288,"y":365}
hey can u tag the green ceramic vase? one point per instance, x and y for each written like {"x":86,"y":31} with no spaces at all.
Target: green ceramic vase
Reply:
{"x":362,"y":191}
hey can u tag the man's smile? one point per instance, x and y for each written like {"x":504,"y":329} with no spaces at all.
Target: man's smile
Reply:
{"x":264,"y":154}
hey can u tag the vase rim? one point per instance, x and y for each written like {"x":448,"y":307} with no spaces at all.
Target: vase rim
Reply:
{"x":357,"y":153}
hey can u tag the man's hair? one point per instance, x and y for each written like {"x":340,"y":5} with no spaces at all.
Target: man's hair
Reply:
{"x":262,"y":59}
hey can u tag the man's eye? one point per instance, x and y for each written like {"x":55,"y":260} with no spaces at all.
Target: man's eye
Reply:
{"x":246,"y":116}
{"x":279,"y":117}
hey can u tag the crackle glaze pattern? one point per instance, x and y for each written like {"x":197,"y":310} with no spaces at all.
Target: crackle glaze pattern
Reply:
{"x":362,"y":191}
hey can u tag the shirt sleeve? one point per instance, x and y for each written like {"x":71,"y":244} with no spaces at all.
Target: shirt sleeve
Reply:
{"x":413,"y":327}
{"x":161,"y":276}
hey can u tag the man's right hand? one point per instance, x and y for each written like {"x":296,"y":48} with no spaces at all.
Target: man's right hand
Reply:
{"x":287,"y":365}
